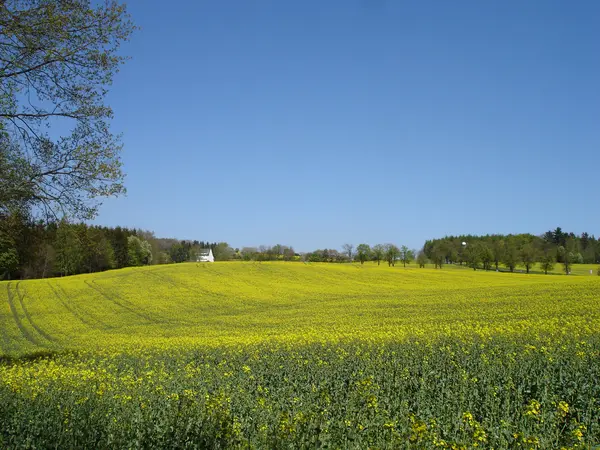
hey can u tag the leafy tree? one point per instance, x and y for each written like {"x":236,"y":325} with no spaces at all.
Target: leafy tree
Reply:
{"x":139,"y":251}
{"x":288,"y":253}
{"x":558,"y":237}
{"x":584,"y":240}
{"x":421,"y":259}
{"x":146,"y":253}
{"x":487,"y":256}
{"x":472,"y":255}
{"x":453,"y":252}
{"x":68,"y":250}
{"x":406,"y":255}
{"x":378,"y":252}
{"x":498,"y":247}
{"x":438,"y":255}
{"x":363,"y":252}
{"x":222,"y":252}
{"x":58,"y":57}
{"x":163,"y":258}
{"x":511,"y":255}
{"x":9,"y":260}
{"x":134,"y":249}
{"x":14,"y":190}
{"x":178,"y":253}
{"x":392,"y":253}
{"x":249,"y":253}
{"x":547,"y":262}
{"x":104,"y":257}
{"x":566,"y":257}
{"x":529,"y":256}
{"x":589,"y":254}
{"x":86,"y":247}
{"x":118,"y":239}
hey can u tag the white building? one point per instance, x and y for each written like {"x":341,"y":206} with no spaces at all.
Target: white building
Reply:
{"x":205,"y":255}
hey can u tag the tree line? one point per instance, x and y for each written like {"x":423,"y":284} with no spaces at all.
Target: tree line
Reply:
{"x":40,"y":249}
{"x":511,"y":251}
{"x":388,"y":253}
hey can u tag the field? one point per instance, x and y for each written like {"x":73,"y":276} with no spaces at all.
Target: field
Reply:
{"x":270,"y":355}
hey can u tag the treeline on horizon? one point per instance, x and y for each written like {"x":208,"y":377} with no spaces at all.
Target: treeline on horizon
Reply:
{"x":39,"y":249}
{"x":511,"y":251}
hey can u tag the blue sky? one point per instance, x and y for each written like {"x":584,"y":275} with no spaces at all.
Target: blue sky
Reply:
{"x":313,"y":123}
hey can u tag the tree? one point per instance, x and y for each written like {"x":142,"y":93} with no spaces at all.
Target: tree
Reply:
{"x":511,"y":255}
{"x":378,"y":252}
{"x":178,"y":253}
{"x":584,"y":240}
{"x":348,"y":250}
{"x":118,"y":241}
{"x":14,"y":192}
{"x":547,"y":262}
{"x":589,"y":254}
{"x":139,"y":251}
{"x":473,"y":255}
{"x":57,"y":59}
{"x":529,"y":256}
{"x":421,"y":259}
{"x":406,"y":255}
{"x":566,"y":257}
{"x":392,"y":253}
{"x":163,"y":258}
{"x":559,"y":237}
{"x":288,"y":253}
{"x":498,"y":247}
{"x":249,"y":253}
{"x":68,"y":251}
{"x":9,"y":260}
{"x":222,"y":252}
{"x":487,"y":256}
{"x":363,"y":253}
{"x":438,"y":255}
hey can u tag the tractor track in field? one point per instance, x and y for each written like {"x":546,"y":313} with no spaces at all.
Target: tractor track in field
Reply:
{"x":28,"y":316}
{"x":172,"y":283}
{"x":61,"y":295}
{"x":128,"y":306}
{"x":26,"y":334}
{"x":184,"y":287}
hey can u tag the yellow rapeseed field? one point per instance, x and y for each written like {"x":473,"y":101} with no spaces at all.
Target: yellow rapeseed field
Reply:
{"x":269,"y":355}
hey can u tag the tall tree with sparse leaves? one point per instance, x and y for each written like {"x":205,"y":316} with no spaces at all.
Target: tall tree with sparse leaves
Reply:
{"x":406,"y":255}
{"x":57,"y":59}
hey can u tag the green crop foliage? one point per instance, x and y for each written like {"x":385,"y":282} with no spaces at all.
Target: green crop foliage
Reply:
{"x":273,"y":355}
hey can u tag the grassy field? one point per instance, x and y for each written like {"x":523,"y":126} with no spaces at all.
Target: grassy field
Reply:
{"x":303,"y":355}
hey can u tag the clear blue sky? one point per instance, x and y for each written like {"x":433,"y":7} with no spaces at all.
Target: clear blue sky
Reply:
{"x":314,"y":123}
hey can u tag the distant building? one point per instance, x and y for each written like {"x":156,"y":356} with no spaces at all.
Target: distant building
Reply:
{"x":205,"y":255}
